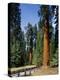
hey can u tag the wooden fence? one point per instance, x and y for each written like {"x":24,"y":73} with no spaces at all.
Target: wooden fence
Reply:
{"x":19,"y":70}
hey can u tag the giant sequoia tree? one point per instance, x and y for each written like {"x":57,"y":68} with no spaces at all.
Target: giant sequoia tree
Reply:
{"x":45,"y":14}
{"x":45,"y":19}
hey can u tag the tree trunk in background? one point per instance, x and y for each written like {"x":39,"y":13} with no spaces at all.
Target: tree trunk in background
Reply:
{"x":46,"y":45}
{"x":30,"y":57}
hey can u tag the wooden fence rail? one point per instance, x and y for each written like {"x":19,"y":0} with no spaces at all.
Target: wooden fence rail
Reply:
{"x":18,"y":70}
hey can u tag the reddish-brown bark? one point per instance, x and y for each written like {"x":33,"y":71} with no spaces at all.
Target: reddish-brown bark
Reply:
{"x":46,"y":45}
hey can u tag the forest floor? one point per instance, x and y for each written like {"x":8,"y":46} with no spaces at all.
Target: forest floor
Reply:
{"x":47,"y":71}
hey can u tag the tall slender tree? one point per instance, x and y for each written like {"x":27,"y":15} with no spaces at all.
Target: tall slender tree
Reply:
{"x":29,"y":35}
{"x":56,"y":27}
{"x":54,"y":52}
{"x":34,"y":36}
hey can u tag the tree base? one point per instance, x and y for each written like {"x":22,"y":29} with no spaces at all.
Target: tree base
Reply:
{"x":44,"y":67}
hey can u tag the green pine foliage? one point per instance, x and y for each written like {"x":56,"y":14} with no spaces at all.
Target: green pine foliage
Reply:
{"x":39,"y":50}
{"x":17,"y":42}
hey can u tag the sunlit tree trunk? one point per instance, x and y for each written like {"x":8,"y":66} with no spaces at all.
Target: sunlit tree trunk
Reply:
{"x":46,"y":44}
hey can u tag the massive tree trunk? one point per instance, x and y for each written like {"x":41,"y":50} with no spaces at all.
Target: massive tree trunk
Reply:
{"x":46,"y":44}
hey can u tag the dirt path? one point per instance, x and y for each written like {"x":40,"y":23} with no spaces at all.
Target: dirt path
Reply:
{"x":48,"y":71}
